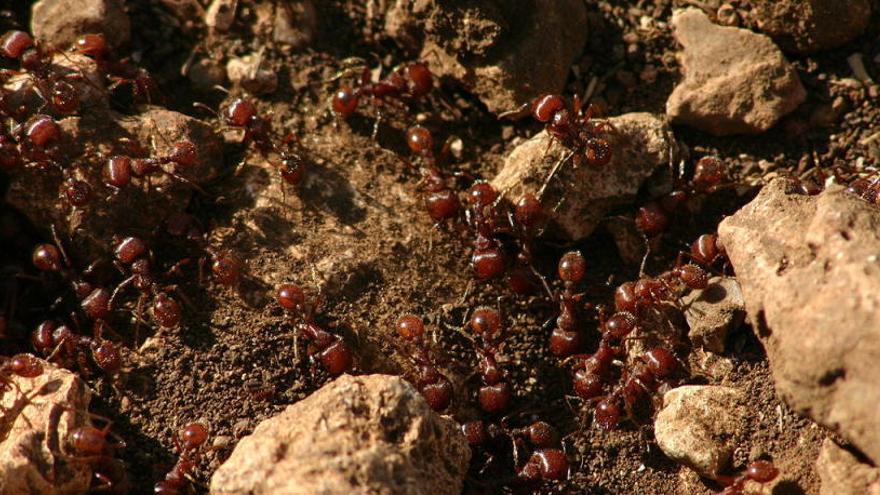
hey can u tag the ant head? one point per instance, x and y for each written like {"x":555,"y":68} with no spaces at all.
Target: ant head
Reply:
{"x":411,"y":328}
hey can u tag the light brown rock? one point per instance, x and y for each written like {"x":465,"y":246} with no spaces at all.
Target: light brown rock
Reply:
{"x":809,"y":267}
{"x":220,"y":15}
{"x":367,"y":434}
{"x":61,"y":22}
{"x":642,"y":143}
{"x":248,"y":72}
{"x":713,"y":312}
{"x":296,"y":23}
{"x":505,"y":52}
{"x":842,"y":472}
{"x":36,"y":417}
{"x":808,"y":26}
{"x":697,"y":426}
{"x":735,"y":81}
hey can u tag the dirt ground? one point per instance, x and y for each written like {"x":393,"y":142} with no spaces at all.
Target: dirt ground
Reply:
{"x":355,"y":229}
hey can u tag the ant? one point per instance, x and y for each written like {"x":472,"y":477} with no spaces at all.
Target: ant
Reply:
{"x":53,"y":340}
{"x":434,"y":386}
{"x":119,"y":72}
{"x":566,"y":339}
{"x":133,"y":257}
{"x":90,"y":446}
{"x":525,"y":221}
{"x":758,"y":471}
{"x":653,"y":367}
{"x":187,"y":442}
{"x":331,"y":350}
{"x":407,"y":82}
{"x":441,"y":201}
{"x":495,"y":394}
{"x":547,"y":461}
{"x":488,"y":260}
{"x":867,"y":189}
{"x":21,"y":365}
{"x":119,"y":170}
{"x":242,"y":114}
{"x":649,"y":292}
{"x":655,"y":216}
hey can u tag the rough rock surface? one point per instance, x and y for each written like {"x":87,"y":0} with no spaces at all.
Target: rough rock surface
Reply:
{"x":807,"y":26}
{"x":842,"y":472}
{"x":364,"y":434}
{"x":34,"y":414}
{"x":61,"y":22}
{"x":249,"y":74}
{"x":735,"y":81}
{"x":505,"y":52}
{"x":713,"y":312}
{"x":697,"y":426}
{"x":157,"y":130}
{"x":642,"y":142}
{"x":809,"y":267}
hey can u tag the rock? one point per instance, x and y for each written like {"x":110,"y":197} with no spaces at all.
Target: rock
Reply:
{"x":248,"y":73}
{"x":735,"y":81}
{"x":61,"y":22}
{"x":809,"y":26}
{"x":698,"y":424}
{"x":810,"y":275}
{"x":364,"y":434}
{"x":629,"y":240}
{"x":842,"y":472}
{"x":296,"y":23}
{"x":504,"y":52}
{"x":642,"y":142}
{"x":205,"y":74}
{"x":34,"y":413}
{"x":220,"y":15}
{"x":33,"y":190}
{"x":713,"y":312}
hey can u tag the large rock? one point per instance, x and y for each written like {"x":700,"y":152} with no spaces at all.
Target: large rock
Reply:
{"x":61,"y":22}
{"x":698,"y":425}
{"x":807,"y":26}
{"x":505,"y":52}
{"x":713,"y":312}
{"x":842,"y":472}
{"x":37,"y":416}
{"x":87,"y":142}
{"x":642,"y":142}
{"x":365,"y":434}
{"x":809,"y":267}
{"x":735,"y":81}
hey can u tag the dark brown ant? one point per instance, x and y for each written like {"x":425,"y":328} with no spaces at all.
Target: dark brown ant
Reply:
{"x":331,"y":350}
{"x":866,"y":188}
{"x":89,"y":445}
{"x":495,"y":394}
{"x":567,"y":338}
{"x":242,"y":114}
{"x":526,"y":222}
{"x":758,"y":471}
{"x":434,"y":386}
{"x":187,"y":443}
{"x":119,"y":170}
{"x":407,"y":82}
{"x":547,"y":462}
{"x":120,"y":72}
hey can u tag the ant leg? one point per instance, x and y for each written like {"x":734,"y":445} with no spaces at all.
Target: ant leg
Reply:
{"x":553,"y":172}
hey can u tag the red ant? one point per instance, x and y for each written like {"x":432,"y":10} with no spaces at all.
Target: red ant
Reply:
{"x":331,"y":350}
{"x":547,"y":462}
{"x":495,"y":394}
{"x":58,"y":340}
{"x":525,"y":221}
{"x":90,"y":446}
{"x":407,"y":82}
{"x":119,"y":170}
{"x":434,"y":386}
{"x":758,"y":471}
{"x":654,"y":217}
{"x":867,"y":189}
{"x":242,"y":114}
{"x":655,"y":365}
{"x":441,"y":201}
{"x":574,"y":128}
{"x":488,"y":260}
{"x":647,"y":292}
{"x":566,"y":338}
{"x":119,"y":72}
{"x":188,"y":443}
